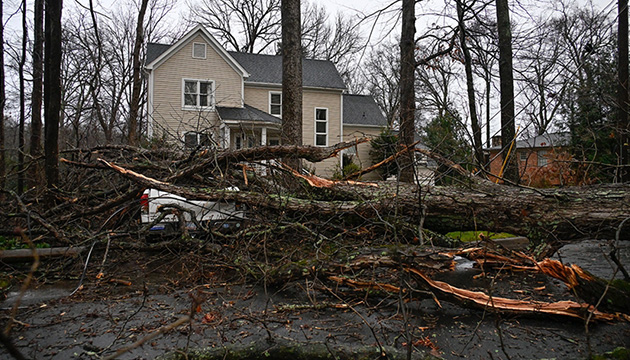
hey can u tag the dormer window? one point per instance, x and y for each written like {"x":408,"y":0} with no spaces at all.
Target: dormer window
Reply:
{"x":199,"y":51}
{"x":198,"y":94}
{"x":275,"y":103}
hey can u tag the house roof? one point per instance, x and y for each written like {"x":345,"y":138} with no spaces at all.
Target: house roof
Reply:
{"x":362,"y":110}
{"x":548,"y":140}
{"x":247,"y":113}
{"x":154,"y":50}
{"x":267,"y":69}
{"x":159,"y":52}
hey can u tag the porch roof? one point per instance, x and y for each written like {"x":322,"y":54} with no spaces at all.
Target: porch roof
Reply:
{"x":247,"y":113}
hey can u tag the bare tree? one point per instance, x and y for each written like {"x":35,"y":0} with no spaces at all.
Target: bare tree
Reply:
{"x":338,"y":42}
{"x":21,"y":140}
{"x":136,"y":81}
{"x":484,"y":48}
{"x":35,"y":148}
{"x":382,"y":77}
{"x":622,"y":91}
{"x":240,"y":25}
{"x":507,"y":90}
{"x":407,"y":93}
{"x":52,"y":89}
{"x":291,"y":76}
{"x":3,"y":101}
{"x":472,"y":104}
{"x":543,"y":88}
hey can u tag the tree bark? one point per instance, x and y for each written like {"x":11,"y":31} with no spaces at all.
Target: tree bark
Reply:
{"x":407,"y":86}
{"x":136,"y":80}
{"x":35,"y":148}
{"x":472,"y":104}
{"x":622,"y":91}
{"x":291,"y":77}
{"x":52,"y":90}
{"x":21,"y":140}
{"x":3,"y":176}
{"x":507,"y":90}
{"x":546,"y":214}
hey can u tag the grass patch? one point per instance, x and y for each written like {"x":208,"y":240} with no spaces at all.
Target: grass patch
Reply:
{"x":468,"y":236}
{"x":13,"y":243}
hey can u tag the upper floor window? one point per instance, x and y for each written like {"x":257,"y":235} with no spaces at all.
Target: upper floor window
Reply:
{"x":198,"y":94}
{"x":199,"y":51}
{"x":275,"y":103}
{"x":321,"y":127}
{"x":542,"y":158}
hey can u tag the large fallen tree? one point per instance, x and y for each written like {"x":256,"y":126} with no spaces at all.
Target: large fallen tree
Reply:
{"x":564,"y":213}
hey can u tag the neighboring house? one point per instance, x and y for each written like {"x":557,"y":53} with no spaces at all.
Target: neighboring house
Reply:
{"x":201,"y":94}
{"x":542,"y":160}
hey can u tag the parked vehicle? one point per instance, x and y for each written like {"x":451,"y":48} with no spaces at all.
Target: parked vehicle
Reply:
{"x":164,"y":210}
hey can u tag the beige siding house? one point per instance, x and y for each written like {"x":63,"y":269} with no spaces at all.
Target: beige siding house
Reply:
{"x":202,"y":95}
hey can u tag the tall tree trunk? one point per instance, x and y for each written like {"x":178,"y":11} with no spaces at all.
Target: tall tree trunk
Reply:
{"x":35,"y":149}
{"x":407,"y":83}
{"x":488,"y":117}
{"x":507,"y":90}
{"x":3,"y":173}
{"x":472,"y":104}
{"x":291,"y":76}
{"x":622,"y":97}
{"x":136,"y":80}
{"x":21,"y":142}
{"x":52,"y":90}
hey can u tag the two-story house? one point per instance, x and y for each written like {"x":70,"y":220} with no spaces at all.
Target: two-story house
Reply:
{"x":543,"y":160}
{"x":201,"y":94}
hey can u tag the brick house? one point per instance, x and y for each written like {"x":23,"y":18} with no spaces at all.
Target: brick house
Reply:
{"x":543,"y":160}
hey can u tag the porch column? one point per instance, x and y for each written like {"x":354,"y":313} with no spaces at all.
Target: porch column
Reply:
{"x":263,"y":136}
{"x":263,"y":142}
{"x":226,"y":137}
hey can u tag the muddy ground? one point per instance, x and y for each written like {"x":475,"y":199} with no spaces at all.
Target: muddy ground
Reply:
{"x":141,"y":292}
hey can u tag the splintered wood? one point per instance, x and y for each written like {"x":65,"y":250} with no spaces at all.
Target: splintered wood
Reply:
{"x":486,"y":302}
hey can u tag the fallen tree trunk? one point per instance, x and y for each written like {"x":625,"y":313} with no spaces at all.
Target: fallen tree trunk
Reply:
{"x":568,"y":213}
{"x":27,"y":254}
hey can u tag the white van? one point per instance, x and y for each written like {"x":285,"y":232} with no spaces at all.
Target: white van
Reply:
{"x":224,"y":215}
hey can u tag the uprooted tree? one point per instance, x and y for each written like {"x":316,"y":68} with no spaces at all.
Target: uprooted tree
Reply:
{"x":335,"y":230}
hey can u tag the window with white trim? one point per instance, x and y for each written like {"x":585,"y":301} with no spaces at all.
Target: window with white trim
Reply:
{"x":321,"y":127}
{"x":199,"y":51}
{"x":275,"y":103}
{"x":198,"y":94}
{"x":542,"y":158}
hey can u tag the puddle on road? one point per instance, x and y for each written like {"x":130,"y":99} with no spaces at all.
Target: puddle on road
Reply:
{"x":39,"y":295}
{"x":592,"y":256}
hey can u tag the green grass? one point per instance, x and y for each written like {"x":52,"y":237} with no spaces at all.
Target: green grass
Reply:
{"x":468,"y":236}
{"x":13,"y":243}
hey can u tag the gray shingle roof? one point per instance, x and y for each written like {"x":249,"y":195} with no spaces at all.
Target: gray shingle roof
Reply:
{"x":248,"y":113}
{"x":267,"y":69}
{"x":541,"y":141}
{"x":154,"y":51}
{"x":362,"y":110}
